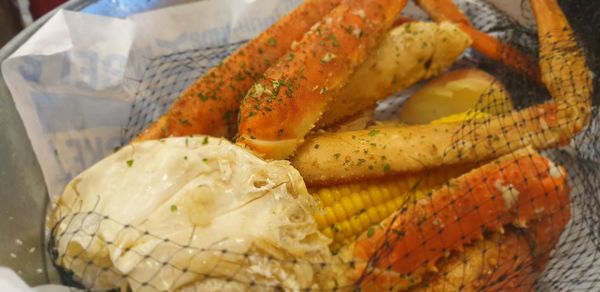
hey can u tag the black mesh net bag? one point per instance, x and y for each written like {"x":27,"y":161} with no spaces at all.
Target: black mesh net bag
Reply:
{"x":503,"y":196}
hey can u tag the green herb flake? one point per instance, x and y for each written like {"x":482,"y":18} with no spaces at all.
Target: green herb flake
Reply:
{"x":129,"y":162}
{"x":272,"y":42}
{"x":202,"y":96}
{"x":174,"y":208}
{"x":373,"y":132}
{"x":334,"y":40}
{"x":370,"y":232}
{"x":184,"y":122}
{"x":185,"y":158}
{"x":317,"y":146}
{"x":386,"y":168}
{"x":205,"y":141}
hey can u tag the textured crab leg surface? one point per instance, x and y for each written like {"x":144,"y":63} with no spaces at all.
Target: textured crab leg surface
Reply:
{"x":414,"y":148}
{"x":499,"y":263}
{"x":280,"y":109}
{"x":440,"y":10}
{"x":563,"y":66}
{"x":407,"y":54}
{"x":518,"y":188}
{"x":210,"y":105}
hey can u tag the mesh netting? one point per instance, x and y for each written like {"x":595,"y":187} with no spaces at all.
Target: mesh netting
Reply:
{"x":450,"y":239}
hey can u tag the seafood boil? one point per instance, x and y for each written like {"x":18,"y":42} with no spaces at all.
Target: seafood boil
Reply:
{"x":270,"y":172}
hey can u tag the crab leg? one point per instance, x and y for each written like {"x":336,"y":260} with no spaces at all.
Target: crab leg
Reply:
{"x":440,"y":10}
{"x":410,"y":149}
{"x":518,"y":188}
{"x":284,"y":106}
{"x":563,"y":65}
{"x":210,"y":105}
{"x":500,"y":263}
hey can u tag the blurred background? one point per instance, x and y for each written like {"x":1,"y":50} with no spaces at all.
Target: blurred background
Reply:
{"x":16,"y":14}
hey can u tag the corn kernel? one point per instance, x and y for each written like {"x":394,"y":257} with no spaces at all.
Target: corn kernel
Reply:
{"x":330,"y":215}
{"x":345,"y":229}
{"x":365,"y":221}
{"x":336,"y":194}
{"x":382,"y":210}
{"x":376,"y":196}
{"x":339,"y":212}
{"x":328,"y":231}
{"x":345,"y":191}
{"x":390,"y":207}
{"x":348,"y":206}
{"x":326,"y":197}
{"x":358,"y":202}
{"x":374,"y":215}
{"x":321,"y":220}
{"x":366,"y":197}
{"x":356,"y":225}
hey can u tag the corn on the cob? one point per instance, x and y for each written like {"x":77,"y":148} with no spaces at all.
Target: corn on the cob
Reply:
{"x":350,"y":209}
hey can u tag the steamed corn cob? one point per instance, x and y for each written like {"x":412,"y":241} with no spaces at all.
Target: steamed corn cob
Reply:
{"x":352,"y":208}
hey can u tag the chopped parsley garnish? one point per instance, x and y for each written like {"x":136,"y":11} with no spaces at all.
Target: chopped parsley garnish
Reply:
{"x":184,"y":122}
{"x":174,"y":208}
{"x":370,"y":231}
{"x":202,"y":96}
{"x":386,"y":167}
{"x":272,"y":41}
{"x":129,"y":162}
{"x":373,"y":132}
{"x":205,"y":141}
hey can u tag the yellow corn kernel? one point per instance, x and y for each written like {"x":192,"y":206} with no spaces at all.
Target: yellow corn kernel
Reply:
{"x":365,"y":221}
{"x":348,"y":206}
{"x":390,"y":207}
{"x":373,"y":215}
{"x":382,"y":210}
{"x":356,"y":225}
{"x":330,"y":215}
{"x":336,"y":193}
{"x":326,"y":197}
{"x":327,"y":231}
{"x":345,"y":191}
{"x":345,"y":229}
{"x":376,"y":195}
{"x":339,"y":212}
{"x":358,"y":202}
{"x":366,"y":198}
{"x":320,"y":219}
